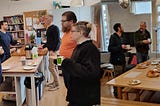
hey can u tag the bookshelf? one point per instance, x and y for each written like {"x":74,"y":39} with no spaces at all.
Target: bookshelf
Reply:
{"x":16,"y":27}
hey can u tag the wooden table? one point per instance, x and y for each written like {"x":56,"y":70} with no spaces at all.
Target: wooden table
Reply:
{"x":137,"y":74}
{"x":16,"y":70}
{"x":41,"y":52}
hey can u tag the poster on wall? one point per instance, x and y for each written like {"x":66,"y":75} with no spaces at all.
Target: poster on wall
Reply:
{"x":29,"y":21}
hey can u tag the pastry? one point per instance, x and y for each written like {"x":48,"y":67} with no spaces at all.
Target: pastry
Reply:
{"x":152,"y":74}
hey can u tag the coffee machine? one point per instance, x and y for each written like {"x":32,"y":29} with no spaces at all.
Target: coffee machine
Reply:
{"x":28,"y":51}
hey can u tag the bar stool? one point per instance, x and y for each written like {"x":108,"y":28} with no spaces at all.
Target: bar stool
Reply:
{"x":109,"y":73}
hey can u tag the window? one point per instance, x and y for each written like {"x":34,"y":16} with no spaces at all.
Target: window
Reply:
{"x":137,"y":7}
{"x":158,"y":29}
{"x":105,"y":31}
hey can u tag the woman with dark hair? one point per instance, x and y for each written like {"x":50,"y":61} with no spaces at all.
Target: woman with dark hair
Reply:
{"x":82,"y":69}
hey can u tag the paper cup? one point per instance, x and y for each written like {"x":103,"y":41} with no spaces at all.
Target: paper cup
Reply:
{"x":23,"y":60}
{"x":149,"y":39}
{"x":59,"y":60}
{"x":128,"y":46}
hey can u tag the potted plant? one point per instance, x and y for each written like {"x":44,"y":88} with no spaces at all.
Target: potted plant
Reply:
{"x":32,"y":38}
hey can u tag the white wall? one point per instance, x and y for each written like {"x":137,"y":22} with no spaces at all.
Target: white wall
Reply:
{"x":8,"y":7}
{"x":129,"y":21}
{"x":158,"y":2}
{"x":86,"y":2}
{"x":82,"y":13}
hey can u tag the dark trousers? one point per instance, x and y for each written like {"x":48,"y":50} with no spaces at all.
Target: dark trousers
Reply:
{"x":141,"y":57}
{"x":66,"y":78}
{"x":118,"y":70}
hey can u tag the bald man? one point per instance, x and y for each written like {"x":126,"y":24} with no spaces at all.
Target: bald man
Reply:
{"x":142,"y":42}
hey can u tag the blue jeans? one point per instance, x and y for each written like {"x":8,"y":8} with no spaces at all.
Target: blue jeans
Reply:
{"x":141,"y":57}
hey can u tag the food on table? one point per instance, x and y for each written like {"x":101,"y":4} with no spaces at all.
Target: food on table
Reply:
{"x":152,"y":74}
{"x":141,"y":66}
{"x":147,"y":63}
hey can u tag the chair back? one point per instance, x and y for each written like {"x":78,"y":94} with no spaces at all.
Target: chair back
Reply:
{"x":105,"y":57}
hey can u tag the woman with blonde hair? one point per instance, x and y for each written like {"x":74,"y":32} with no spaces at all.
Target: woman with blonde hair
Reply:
{"x":82,"y":69}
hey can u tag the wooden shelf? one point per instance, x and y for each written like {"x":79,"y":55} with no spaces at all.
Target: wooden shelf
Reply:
{"x":16,"y":26}
{"x":16,"y":31}
{"x":8,"y":92}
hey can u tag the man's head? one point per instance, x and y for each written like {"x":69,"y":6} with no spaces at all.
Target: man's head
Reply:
{"x":143,"y":26}
{"x":118,"y":28}
{"x":48,"y":19}
{"x":68,"y":19}
{"x":4,"y":25}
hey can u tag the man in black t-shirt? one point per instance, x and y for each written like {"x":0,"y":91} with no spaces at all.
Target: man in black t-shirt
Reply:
{"x":142,"y":42}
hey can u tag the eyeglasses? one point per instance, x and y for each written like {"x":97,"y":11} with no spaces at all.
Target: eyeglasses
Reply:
{"x":64,"y":20}
{"x":75,"y":31}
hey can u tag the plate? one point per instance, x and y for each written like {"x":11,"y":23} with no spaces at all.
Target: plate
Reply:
{"x":28,"y":67}
{"x":154,"y":62}
{"x":9,"y":97}
{"x":5,"y":68}
{"x":134,"y":82}
{"x":32,"y":64}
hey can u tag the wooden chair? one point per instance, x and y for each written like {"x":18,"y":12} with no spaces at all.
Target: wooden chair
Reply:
{"x":105,"y":57}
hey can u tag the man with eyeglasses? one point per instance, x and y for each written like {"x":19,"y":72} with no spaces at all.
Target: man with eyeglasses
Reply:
{"x":52,"y":44}
{"x":67,"y":44}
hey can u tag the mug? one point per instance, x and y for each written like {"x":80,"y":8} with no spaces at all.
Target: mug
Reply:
{"x":23,"y":60}
{"x":149,"y":39}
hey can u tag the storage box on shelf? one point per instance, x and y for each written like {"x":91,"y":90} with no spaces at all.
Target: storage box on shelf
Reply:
{"x":16,"y":26}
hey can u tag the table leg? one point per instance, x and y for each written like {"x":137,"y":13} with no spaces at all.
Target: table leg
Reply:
{"x":119,"y":90}
{"x":18,"y":91}
{"x":33,"y":93}
{"x":47,"y":72}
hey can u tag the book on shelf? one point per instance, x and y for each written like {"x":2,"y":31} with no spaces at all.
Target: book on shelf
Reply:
{"x":14,"y":19}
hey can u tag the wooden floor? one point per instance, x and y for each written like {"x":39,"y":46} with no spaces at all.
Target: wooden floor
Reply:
{"x":57,"y":98}
{"x":54,"y":98}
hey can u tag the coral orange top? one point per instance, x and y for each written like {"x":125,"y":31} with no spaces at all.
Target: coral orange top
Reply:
{"x":67,"y":45}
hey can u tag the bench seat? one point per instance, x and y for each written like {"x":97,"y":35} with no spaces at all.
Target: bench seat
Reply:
{"x":119,"y":102}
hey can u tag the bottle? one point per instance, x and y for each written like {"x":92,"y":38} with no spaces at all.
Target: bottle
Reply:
{"x":34,"y":52}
